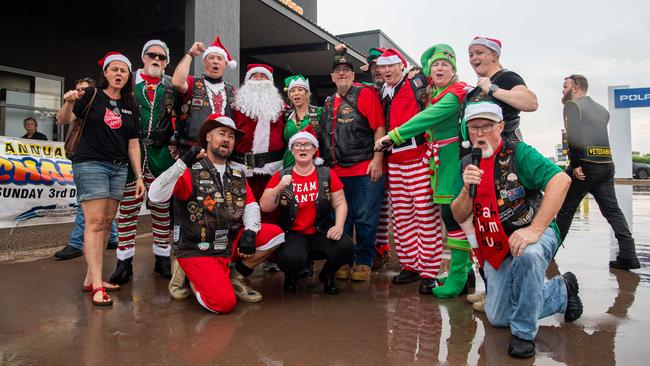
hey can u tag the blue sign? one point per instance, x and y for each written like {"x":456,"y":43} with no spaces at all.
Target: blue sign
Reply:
{"x":632,"y":98}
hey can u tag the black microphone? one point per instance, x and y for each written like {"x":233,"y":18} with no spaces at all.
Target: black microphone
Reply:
{"x":477,"y":154}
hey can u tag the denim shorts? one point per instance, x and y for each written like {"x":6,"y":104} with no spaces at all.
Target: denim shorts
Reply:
{"x":99,"y":179}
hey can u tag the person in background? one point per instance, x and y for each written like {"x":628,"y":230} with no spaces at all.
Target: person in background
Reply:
{"x":31,"y":126}
{"x":301,"y":115}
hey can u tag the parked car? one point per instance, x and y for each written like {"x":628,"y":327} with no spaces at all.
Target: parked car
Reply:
{"x":640,"y":170}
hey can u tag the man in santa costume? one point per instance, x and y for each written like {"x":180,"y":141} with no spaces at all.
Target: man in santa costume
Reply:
{"x":156,"y":97}
{"x":257,"y":111}
{"x":205,"y":94}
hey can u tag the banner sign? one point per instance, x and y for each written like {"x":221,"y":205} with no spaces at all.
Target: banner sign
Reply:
{"x":632,"y":98}
{"x":36,"y":183}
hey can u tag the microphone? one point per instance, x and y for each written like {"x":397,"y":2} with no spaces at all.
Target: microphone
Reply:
{"x":477,"y":153}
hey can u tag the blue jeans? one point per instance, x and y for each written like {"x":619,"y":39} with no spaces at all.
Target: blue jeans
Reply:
{"x":364,"y":201}
{"x":99,"y":179}
{"x":517,"y":295}
{"x":77,"y":234}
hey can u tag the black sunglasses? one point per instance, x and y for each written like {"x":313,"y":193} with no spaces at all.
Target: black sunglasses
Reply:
{"x":154,"y":55}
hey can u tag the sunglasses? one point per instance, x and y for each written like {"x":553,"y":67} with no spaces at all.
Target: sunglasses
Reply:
{"x":154,"y":55}
{"x":116,"y":110}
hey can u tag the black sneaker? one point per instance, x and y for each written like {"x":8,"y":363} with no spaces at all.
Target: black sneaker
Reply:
{"x":123,"y":272}
{"x":625,"y":263}
{"x":521,"y":348}
{"x":405,"y":277}
{"x":68,"y":252}
{"x":163,"y":266}
{"x":573,"y":303}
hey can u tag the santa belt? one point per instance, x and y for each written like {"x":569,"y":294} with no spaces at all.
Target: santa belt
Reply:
{"x":433,"y":148}
{"x":251,"y":160}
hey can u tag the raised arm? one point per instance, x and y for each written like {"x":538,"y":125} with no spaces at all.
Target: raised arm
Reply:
{"x":182,"y":71}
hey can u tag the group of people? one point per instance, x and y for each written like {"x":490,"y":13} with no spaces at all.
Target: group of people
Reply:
{"x":240,"y":177}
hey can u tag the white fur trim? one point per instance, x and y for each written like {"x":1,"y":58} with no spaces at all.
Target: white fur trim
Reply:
{"x":261,"y":137}
{"x":214,"y":49}
{"x":124,"y":254}
{"x":487,"y":43}
{"x":298,"y":82}
{"x":276,"y":241}
{"x":254,"y":70}
{"x":390,"y":60}
{"x":319,"y":161}
{"x":268,"y":169}
{"x":118,"y":57}
{"x":161,"y":251}
{"x":155,"y":42}
{"x":303,"y":135}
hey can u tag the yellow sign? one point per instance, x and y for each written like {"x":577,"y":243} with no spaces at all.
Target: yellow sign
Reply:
{"x":599,"y":151}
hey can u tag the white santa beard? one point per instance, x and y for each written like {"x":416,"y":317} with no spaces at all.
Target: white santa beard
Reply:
{"x":260,"y":100}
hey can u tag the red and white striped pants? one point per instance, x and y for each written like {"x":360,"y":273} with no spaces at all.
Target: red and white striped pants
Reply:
{"x":127,"y":222}
{"x":385,"y":217}
{"x":417,"y":223}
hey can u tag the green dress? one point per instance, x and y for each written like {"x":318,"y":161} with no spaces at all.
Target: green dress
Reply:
{"x":440,"y":121}
{"x":291,"y":127}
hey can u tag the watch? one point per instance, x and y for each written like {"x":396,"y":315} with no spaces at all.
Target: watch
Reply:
{"x":492,"y":89}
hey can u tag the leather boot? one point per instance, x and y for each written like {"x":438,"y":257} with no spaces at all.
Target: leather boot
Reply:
{"x":123,"y":272}
{"x":329,"y":283}
{"x":290,"y":282}
{"x":626,"y":258}
{"x":521,"y":348}
{"x":427,"y":285}
{"x":573,"y":303}
{"x":163,"y":266}
{"x":406,"y":276}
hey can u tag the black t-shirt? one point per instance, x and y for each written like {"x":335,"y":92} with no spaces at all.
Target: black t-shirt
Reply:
{"x":504,"y":79}
{"x":109,"y":127}
{"x":36,"y":136}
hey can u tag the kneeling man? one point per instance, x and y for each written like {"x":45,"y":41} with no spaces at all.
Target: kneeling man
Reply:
{"x":216,"y":219}
{"x":515,"y":228}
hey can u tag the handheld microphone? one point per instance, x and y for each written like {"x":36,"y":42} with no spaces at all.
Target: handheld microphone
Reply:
{"x":477,"y":153}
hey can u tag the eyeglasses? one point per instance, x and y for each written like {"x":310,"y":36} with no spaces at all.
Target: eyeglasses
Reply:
{"x":305,"y":146}
{"x":154,"y":55}
{"x":341,"y":69}
{"x":485,"y":128}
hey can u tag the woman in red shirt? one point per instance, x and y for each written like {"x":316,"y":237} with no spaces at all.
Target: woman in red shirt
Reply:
{"x":306,"y":195}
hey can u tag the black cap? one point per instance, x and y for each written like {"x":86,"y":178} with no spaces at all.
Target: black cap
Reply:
{"x":342,"y":60}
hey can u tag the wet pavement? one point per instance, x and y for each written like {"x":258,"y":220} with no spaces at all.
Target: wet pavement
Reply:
{"x":46,"y":320}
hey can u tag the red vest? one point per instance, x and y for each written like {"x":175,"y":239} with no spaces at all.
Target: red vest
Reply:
{"x":404,"y":106}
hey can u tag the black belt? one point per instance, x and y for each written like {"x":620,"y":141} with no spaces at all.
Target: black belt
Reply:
{"x":251,"y":160}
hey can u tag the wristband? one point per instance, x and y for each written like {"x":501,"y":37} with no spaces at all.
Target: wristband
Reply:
{"x":189,"y":54}
{"x":139,"y":176}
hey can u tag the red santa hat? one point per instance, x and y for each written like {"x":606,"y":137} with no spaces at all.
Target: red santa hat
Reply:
{"x":491,"y":43}
{"x":217,"y":47}
{"x":308,"y":134}
{"x":391,"y":57}
{"x":255,"y":68}
{"x":113,"y":56}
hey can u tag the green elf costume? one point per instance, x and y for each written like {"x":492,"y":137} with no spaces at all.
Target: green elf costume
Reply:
{"x":439,"y":122}
{"x":294,"y":123}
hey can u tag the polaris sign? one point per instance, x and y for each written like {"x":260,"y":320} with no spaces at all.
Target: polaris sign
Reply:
{"x":632,"y":98}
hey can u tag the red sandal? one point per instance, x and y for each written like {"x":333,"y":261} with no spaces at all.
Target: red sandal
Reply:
{"x":89,"y":288}
{"x":106,"y":300}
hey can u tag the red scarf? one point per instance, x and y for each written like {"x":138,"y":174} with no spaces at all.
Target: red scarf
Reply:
{"x":492,"y":239}
{"x":457,"y":89}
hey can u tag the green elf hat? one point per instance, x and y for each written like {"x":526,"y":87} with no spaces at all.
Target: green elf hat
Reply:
{"x":440,"y":51}
{"x":295,"y":80}
{"x":373,"y":53}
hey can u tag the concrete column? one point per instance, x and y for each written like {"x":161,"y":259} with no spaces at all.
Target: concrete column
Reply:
{"x":205,"y":19}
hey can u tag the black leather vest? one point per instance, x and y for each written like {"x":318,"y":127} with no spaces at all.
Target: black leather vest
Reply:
{"x":288,"y":206}
{"x":206,"y":223}
{"x":517,"y":205}
{"x":197,"y":109}
{"x":350,"y":139}
{"x":163,"y":130}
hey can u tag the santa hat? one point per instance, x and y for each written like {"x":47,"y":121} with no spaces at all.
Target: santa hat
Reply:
{"x":308,"y":134}
{"x":217,"y":47}
{"x":391,"y":57}
{"x":113,"y":56}
{"x":255,"y":68}
{"x":155,"y":42}
{"x":217,"y":120}
{"x":296,"y":80}
{"x":373,"y":53}
{"x":491,"y":43}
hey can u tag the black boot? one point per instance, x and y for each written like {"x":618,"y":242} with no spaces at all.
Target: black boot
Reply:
{"x":68,"y":252}
{"x":405,"y":277}
{"x":163,"y":266}
{"x":427,"y":285}
{"x":521,"y":348}
{"x":573,"y":303}
{"x":329,"y":283}
{"x":123,"y":272}
{"x":290,"y":282}
{"x":470,"y":283}
{"x":626,"y":258}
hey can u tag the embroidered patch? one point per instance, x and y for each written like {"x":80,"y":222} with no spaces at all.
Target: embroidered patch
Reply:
{"x":177,"y":233}
{"x":516,"y":193}
{"x":204,"y":245}
{"x":112,"y":120}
